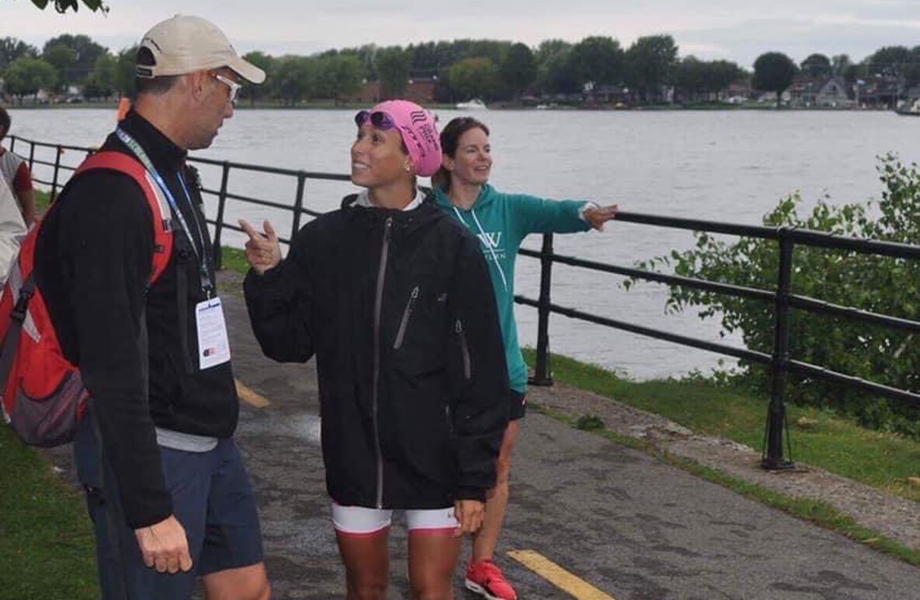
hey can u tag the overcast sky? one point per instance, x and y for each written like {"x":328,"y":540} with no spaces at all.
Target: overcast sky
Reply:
{"x":737,"y":30}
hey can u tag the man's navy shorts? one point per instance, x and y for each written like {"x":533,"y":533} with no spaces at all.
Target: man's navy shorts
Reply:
{"x":212,"y":499}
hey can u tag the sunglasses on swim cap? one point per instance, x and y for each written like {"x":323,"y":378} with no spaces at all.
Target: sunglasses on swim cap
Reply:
{"x":378,"y":119}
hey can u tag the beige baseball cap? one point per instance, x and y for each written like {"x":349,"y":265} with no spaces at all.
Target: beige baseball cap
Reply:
{"x":185,"y":44}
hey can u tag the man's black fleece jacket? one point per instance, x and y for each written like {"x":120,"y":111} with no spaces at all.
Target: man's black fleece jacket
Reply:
{"x":136,"y":348}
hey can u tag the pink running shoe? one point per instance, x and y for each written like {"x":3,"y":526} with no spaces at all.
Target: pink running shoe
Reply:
{"x":487,"y":580}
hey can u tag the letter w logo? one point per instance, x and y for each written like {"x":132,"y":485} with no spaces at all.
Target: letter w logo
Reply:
{"x":492,"y":239}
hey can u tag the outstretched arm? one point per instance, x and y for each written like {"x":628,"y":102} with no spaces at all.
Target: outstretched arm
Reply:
{"x":530,"y":214}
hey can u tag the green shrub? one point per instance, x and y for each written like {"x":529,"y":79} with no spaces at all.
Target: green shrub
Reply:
{"x":872,"y":283}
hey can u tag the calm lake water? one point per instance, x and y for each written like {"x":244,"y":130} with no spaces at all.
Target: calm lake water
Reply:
{"x":727,"y":166}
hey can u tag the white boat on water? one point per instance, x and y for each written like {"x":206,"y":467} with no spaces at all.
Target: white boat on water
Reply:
{"x":910,"y":110}
{"x":474,"y":104}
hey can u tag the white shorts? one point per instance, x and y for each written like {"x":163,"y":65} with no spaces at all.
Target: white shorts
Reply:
{"x":358,"y":521}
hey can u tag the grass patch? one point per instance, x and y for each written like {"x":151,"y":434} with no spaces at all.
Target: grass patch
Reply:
{"x":46,"y":539}
{"x":825,"y":440}
{"x":42,"y":201}
{"x":234,"y":259}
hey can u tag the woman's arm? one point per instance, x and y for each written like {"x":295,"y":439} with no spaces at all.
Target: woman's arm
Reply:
{"x":541,"y":215}
{"x":279,"y":294}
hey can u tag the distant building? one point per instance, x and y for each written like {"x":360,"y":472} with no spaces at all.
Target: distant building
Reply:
{"x":368,"y":93}
{"x":770,"y":98}
{"x":606,"y":94}
{"x":737,"y":91}
{"x":420,"y":91}
{"x":836,"y":93}
{"x":823,"y":92}
{"x":804,"y":92}
{"x":880,"y":91}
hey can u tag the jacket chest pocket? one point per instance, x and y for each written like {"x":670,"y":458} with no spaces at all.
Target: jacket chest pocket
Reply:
{"x":421,"y":316}
{"x":406,"y":315}
{"x":419,"y":339}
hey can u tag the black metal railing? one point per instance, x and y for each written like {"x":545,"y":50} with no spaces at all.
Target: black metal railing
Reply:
{"x":782,"y":298}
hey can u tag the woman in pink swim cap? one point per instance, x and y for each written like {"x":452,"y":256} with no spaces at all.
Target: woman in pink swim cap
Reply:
{"x":394,"y":299}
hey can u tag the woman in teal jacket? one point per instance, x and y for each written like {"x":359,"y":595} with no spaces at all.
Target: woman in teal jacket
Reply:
{"x":501,"y":222}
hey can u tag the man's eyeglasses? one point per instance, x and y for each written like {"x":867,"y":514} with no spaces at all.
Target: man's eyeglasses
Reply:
{"x":234,"y":86}
{"x":378,"y":119}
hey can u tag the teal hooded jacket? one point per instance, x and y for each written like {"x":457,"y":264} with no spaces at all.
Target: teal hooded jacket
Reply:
{"x":501,"y":222}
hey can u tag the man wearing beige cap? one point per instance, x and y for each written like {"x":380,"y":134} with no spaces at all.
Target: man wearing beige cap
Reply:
{"x":124,"y":262}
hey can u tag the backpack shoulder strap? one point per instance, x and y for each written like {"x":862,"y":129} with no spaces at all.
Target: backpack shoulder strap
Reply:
{"x":10,"y":343}
{"x":159,"y":208}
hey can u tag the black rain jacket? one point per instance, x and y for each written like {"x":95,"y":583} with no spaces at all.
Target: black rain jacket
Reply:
{"x":399,"y":310}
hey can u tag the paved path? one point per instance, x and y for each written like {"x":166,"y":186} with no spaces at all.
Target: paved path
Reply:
{"x":623,"y":522}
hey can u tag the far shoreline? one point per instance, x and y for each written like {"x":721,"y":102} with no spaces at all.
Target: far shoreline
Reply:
{"x":325,"y":105}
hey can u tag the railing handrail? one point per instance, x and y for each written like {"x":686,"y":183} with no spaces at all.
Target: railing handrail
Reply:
{"x":799,"y":236}
{"x":782,"y":296}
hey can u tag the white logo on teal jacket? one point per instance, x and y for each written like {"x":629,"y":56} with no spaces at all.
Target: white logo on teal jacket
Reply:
{"x":501,"y":222}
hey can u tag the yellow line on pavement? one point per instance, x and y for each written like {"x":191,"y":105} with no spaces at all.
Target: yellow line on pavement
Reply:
{"x":250,"y":396}
{"x":558,"y":576}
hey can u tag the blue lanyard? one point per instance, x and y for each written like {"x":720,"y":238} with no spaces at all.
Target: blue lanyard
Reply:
{"x":205,"y":276}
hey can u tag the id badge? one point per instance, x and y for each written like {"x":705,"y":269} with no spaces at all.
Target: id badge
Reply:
{"x":213,"y":343}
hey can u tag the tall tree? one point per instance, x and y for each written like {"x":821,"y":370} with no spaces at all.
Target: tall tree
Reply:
{"x":264,"y":62}
{"x":62,"y":59}
{"x":693,"y":76}
{"x":423,"y":59}
{"x":392,"y":66}
{"x":551,"y":56}
{"x":63,"y":6}
{"x":773,"y":72}
{"x":888,"y":60}
{"x":689,"y":77}
{"x":27,"y":76}
{"x":12,"y":49}
{"x":816,"y":66}
{"x":125,"y":64}
{"x":85,"y":50}
{"x":598,"y":60}
{"x":295,"y":78}
{"x":550,"y":48}
{"x":557,"y":76}
{"x":474,"y":77}
{"x":340,"y":76}
{"x":650,"y":62}
{"x":103,"y":77}
{"x":840,"y":63}
{"x":723,"y":73}
{"x":519,"y":69}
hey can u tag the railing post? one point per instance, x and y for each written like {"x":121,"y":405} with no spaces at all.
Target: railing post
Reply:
{"x":772,"y":458}
{"x":543,"y":374}
{"x":219,"y":221}
{"x":57,"y":168}
{"x":298,"y":205}
{"x":12,"y":143}
{"x":32,"y":157}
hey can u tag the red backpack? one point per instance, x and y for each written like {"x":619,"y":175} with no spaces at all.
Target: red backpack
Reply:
{"x":43,"y":393}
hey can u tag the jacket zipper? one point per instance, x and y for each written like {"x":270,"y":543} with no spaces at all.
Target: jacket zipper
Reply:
{"x":465,"y":351}
{"x":405,"y":319}
{"x":378,"y":307}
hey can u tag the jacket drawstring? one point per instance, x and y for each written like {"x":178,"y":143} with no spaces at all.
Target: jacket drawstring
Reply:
{"x":485,"y":239}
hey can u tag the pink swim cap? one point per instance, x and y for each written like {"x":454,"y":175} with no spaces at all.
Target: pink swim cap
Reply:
{"x":419,"y":133}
